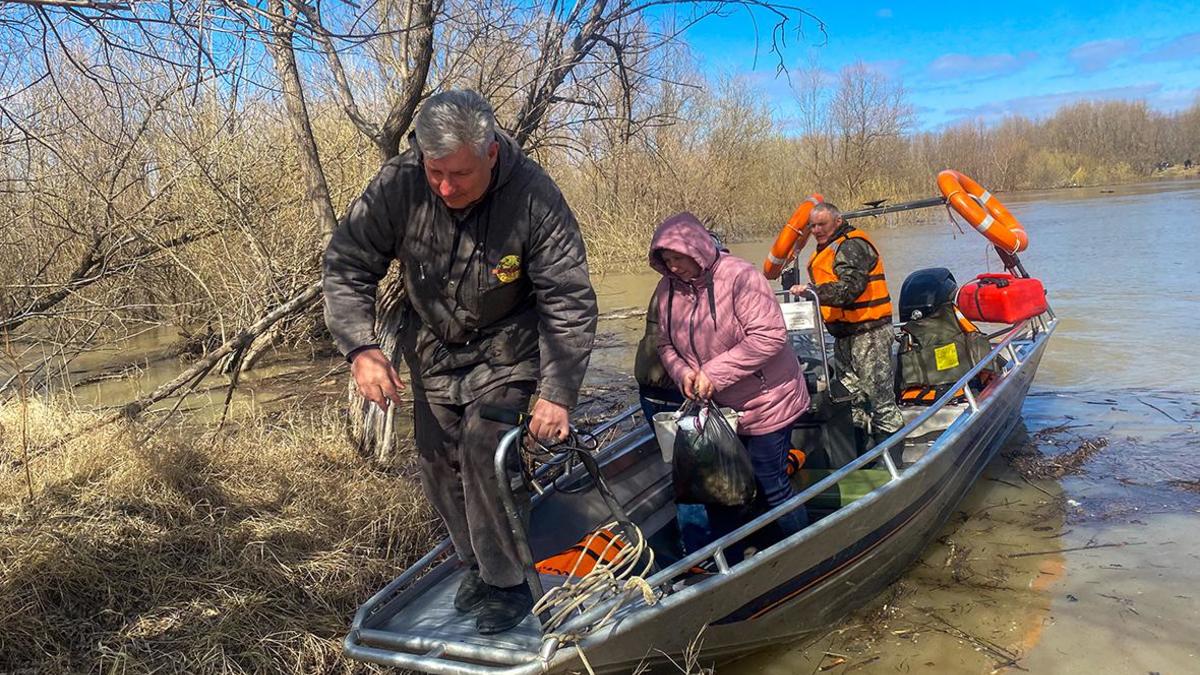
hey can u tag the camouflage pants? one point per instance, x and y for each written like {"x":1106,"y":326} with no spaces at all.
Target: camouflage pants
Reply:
{"x":866,"y":358}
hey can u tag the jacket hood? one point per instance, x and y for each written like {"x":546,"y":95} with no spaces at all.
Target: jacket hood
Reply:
{"x":510,"y":155}
{"x":684,"y":234}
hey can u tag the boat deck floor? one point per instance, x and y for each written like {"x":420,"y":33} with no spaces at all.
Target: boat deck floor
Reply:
{"x":432,"y":615}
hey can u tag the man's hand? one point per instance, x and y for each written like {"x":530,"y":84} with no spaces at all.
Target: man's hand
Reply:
{"x":801,"y":290}
{"x":375,"y":378}
{"x":549,"y":422}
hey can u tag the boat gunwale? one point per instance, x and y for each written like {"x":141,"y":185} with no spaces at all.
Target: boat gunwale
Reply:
{"x":664,"y":576}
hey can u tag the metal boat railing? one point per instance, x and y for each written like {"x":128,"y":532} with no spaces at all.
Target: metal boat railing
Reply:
{"x":409,"y":576}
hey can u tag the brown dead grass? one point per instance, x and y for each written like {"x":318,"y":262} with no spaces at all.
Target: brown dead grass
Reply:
{"x":247,"y":552}
{"x":1186,"y":485}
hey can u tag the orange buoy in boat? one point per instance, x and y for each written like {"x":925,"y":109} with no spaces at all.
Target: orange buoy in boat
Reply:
{"x":795,"y":460}
{"x":794,"y":235}
{"x":983,"y":211}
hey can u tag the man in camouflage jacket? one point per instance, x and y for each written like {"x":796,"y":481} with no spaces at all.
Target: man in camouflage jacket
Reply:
{"x":853,"y":294}
{"x":499,"y":307}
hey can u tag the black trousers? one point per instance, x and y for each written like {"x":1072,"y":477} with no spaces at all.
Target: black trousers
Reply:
{"x":457,"y":451}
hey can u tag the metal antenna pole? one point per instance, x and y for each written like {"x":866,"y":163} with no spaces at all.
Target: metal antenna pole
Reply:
{"x":906,"y":206}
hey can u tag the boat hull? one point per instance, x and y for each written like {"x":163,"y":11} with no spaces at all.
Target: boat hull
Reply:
{"x":794,"y":590}
{"x":798,"y":590}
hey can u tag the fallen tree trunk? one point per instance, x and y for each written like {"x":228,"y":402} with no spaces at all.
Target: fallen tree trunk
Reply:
{"x":298,"y":303}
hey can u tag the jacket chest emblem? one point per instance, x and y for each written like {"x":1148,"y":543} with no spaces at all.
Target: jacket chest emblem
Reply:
{"x":508,"y":270}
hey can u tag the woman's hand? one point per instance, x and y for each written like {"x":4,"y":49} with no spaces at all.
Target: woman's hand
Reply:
{"x":697,"y":386}
{"x":703,"y":386}
{"x":688,"y":384}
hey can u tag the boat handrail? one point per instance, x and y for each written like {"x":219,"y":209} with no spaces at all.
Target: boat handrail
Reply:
{"x":818,"y":327}
{"x":716,"y":550}
{"x":516,"y":523}
{"x":446,"y":545}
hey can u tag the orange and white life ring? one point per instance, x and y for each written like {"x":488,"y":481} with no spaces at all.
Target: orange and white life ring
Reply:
{"x":792,"y":237}
{"x":983,"y":211}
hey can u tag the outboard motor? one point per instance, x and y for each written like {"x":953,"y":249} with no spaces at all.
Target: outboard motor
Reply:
{"x":937,"y":344}
{"x":926,"y":290}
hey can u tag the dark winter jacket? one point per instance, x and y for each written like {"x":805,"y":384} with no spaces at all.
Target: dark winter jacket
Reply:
{"x":496,"y":293}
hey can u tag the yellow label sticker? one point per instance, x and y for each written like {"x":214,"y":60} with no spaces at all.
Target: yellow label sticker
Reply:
{"x":508,"y":270}
{"x":947,"y":356}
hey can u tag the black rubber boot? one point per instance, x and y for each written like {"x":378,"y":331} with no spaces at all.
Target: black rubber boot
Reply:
{"x":471,"y":592}
{"x":503,"y":609}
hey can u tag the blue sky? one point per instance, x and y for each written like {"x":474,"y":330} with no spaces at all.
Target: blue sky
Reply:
{"x":975,"y":60}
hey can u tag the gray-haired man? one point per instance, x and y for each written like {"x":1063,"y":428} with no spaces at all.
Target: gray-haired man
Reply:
{"x":847,"y":271}
{"x":499,"y":306}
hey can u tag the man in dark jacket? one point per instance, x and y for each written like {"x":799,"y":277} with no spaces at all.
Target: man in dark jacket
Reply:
{"x":499,"y":306}
{"x":848,"y":278}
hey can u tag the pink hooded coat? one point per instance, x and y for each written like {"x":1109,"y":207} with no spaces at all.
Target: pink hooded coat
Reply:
{"x":744,"y":349}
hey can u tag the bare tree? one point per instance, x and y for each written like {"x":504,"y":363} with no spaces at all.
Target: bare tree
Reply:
{"x":868,"y":114}
{"x":556,"y":72}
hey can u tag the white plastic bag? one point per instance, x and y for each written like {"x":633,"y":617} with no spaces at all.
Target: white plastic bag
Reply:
{"x":667,"y":423}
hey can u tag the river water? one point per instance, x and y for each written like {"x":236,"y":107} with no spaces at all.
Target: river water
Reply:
{"x":1001,"y":588}
{"x":1096,"y":571}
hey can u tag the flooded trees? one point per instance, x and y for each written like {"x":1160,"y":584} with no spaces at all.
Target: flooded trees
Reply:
{"x":256,"y":143}
{"x":853,"y":126}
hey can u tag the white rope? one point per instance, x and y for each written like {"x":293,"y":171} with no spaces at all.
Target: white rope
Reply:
{"x":622,"y":576}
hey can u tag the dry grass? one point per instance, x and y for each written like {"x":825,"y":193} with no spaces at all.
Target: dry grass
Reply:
{"x":1187,"y":485}
{"x":248,"y":552}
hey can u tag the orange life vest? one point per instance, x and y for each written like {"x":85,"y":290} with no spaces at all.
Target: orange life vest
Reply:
{"x":599,"y":546}
{"x":872,"y":304}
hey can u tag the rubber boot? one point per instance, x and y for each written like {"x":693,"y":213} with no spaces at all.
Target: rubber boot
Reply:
{"x":504,"y":609}
{"x":471,"y":591}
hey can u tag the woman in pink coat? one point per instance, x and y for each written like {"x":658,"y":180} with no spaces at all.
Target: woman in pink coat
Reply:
{"x":721,"y":336}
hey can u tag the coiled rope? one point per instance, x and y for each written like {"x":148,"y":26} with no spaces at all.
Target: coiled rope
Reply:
{"x":623,"y":576}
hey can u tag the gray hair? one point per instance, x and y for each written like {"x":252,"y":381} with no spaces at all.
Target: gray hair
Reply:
{"x":826,"y":207}
{"x":453,"y":119}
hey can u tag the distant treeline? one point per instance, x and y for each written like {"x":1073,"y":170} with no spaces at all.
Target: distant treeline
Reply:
{"x":726,"y":160}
